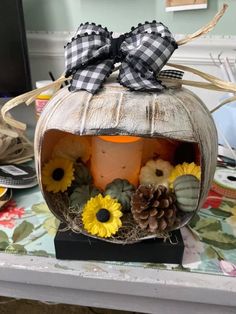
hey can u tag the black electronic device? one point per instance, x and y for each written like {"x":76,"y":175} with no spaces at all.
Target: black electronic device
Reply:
{"x":15,"y":76}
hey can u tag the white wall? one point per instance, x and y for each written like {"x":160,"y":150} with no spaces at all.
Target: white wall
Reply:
{"x":46,"y":54}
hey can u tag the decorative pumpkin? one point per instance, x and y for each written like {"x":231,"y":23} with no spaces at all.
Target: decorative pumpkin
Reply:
{"x":81,"y":195}
{"x":121,"y":190}
{"x":187,"y":189}
{"x":155,"y":172}
{"x":147,"y":115}
{"x":73,"y":147}
{"x":82,"y":175}
{"x":148,"y":111}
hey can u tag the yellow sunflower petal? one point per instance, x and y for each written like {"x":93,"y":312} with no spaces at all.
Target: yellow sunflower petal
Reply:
{"x":117,"y":213}
{"x":94,"y":229}
{"x":102,"y":231}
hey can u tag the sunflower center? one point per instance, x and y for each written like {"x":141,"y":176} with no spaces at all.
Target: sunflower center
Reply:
{"x":58,"y":174}
{"x":159,"y":173}
{"x":103,"y":215}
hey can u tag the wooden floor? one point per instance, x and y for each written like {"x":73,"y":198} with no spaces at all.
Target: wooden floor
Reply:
{"x":12,"y":306}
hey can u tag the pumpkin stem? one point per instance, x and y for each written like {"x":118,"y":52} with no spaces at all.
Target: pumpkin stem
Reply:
{"x":159,"y":173}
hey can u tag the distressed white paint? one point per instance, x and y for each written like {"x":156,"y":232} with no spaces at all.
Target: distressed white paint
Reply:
{"x":146,"y":290}
{"x":174,"y":113}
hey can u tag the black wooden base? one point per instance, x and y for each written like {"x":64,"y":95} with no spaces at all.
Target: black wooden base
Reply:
{"x":74,"y":246}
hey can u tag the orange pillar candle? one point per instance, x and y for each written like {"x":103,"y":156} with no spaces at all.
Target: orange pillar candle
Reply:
{"x":116,"y":157}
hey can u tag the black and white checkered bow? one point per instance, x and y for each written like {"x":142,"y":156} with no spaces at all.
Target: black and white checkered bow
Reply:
{"x":91,"y":55}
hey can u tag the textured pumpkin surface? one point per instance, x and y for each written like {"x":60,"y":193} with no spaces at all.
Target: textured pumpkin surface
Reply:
{"x":175,"y":114}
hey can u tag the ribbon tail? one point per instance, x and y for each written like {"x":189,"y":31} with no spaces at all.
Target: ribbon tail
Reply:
{"x":133,"y":79}
{"x":171,"y":74}
{"x":92,"y":77}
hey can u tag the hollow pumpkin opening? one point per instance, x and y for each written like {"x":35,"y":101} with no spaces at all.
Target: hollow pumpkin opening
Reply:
{"x":120,"y":188}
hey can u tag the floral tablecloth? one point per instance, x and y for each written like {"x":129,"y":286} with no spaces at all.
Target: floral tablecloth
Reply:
{"x":28,"y":227}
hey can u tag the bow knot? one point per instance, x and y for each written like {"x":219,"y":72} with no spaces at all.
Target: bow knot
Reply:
{"x":91,"y":55}
{"x":115,"y":51}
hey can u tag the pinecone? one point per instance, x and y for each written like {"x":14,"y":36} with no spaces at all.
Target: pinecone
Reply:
{"x":153,"y":208}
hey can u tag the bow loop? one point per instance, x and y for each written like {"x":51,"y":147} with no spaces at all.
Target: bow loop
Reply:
{"x":151,"y":28}
{"x":84,"y":49}
{"x":92,"y":28}
{"x":153,"y":53}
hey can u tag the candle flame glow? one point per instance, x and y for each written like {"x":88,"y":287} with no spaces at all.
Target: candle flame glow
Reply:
{"x":120,"y":138}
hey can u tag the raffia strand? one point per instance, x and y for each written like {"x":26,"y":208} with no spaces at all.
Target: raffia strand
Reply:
{"x":197,"y":84}
{"x":224,"y":102}
{"x":205,"y":29}
{"x":26,"y":98}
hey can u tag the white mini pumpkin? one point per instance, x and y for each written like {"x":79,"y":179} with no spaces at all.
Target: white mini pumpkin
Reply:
{"x":155,"y":172}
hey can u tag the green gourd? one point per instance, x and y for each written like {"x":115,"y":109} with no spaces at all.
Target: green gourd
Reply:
{"x":82,"y":175}
{"x":187,"y":190}
{"x":122,"y":190}
{"x":81,"y":195}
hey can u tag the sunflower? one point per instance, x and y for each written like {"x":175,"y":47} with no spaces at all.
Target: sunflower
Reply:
{"x":57,"y":175}
{"x":101,"y":216}
{"x":184,"y":169}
